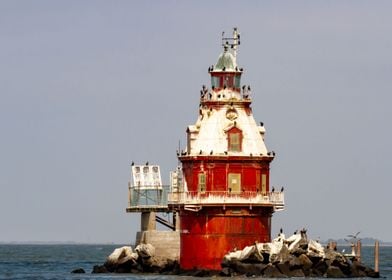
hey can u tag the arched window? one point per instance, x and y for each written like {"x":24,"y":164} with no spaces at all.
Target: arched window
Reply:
{"x":234,"y":140}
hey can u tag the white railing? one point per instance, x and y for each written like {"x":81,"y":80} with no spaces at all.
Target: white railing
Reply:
{"x":275,"y":199}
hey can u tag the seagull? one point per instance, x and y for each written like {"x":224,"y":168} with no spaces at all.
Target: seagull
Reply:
{"x":282,"y":189}
{"x":132,"y":164}
{"x":261,"y":124}
{"x":273,"y":189}
{"x":281,"y":230}
{"x":147,"y":163}
{"x":355,"y":236}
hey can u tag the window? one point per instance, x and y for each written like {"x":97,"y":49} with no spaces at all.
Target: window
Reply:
{"x":228,"y":81}
{"x":234,"y":182}
{"x":234,"y":140}
{"x":215,"y":81}
{"x":202,"y":182}
{"x":263,"y":184}
{"x":237,"y":81}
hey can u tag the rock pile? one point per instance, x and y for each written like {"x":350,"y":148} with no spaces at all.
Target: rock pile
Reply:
{"x":293,"y":257}
{"x":143,"y":259}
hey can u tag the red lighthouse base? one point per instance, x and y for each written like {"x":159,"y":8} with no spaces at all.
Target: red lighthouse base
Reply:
{"x":209,"y":234}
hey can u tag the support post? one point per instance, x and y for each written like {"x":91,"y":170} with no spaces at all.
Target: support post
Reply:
{"x":176,"y":221}
{"x":332,"y":245}
{"x":358,"y":254}
{"x":376,"y":254}
{"x":148,"y":221}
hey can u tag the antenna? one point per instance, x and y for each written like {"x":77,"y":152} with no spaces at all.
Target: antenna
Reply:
{"x":232,"y":42}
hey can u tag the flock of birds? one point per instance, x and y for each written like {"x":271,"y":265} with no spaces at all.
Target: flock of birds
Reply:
{"x":204,"y":92}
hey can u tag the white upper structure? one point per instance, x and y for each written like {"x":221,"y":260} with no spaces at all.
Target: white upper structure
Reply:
{"x":225,"y":125}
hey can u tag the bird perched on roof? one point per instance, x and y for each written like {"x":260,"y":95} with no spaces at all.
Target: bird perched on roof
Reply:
{"x":273,"y":189}
{"x":282,"y":189}
{"x":147,"y":163}
{"x":132,"y":164}
{"x":211,"y":152}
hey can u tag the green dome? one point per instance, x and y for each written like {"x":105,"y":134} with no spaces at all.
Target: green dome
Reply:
{"x":226,"y":60}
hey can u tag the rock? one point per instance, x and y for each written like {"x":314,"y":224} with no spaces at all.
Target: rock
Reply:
{"x":226,"y":272}
{"x":334,"y":272}
{"x":279,"y":252}
{"x":145,"y":250}
{"x":315,"y":249}
{"x":371,"y":273}
{"x":272,"y":271}
{"x":305,"y":262}
{"x":284,"y":268}
{"x":251,"y":255}
{"x":320,"y":268}
{"x":203,"y":273}
{"x":297,"y":273}
{"x":345,"y":267}
{"x":78,"y":270}
{"x":313,"y":257}
{"x":121,"y":260}
{"x":298,"y":251}
{"x":171,"y":267}
{"x":248,"y":268}
{"x":99,"y":269}
{"x":334,"y":256}
{"x":294,"y":262}
{"x":154,"y":264}
{"x":358,"y":269}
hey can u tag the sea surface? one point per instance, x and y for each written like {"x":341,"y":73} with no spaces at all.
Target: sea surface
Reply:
{"x":57,"y":262}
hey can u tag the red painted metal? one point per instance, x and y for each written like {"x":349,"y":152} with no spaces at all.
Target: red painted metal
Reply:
{"x":212,"y":232}
{"x":217,"y":171}
{"x":207,"y":235}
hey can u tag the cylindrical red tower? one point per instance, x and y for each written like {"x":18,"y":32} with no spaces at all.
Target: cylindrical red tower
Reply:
{"x":226,"y":202}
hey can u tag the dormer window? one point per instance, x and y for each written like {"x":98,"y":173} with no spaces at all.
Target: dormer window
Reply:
{"x":234,"y":140}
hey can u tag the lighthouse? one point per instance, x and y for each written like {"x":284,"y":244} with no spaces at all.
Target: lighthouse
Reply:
{"x":225,"y":201}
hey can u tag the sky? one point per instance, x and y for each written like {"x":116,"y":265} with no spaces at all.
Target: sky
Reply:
{"x":87,"y":87}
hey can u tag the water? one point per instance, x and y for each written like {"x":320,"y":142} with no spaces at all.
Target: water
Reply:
{"x":57,"y":262}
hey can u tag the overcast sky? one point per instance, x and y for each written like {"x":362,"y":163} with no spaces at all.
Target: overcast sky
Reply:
{"x":86,"y":87}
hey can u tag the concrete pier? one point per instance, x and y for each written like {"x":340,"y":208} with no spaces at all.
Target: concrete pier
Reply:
{"x":166,"y":243}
